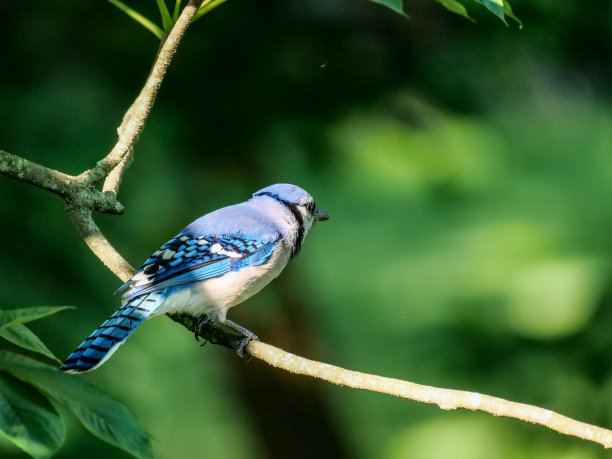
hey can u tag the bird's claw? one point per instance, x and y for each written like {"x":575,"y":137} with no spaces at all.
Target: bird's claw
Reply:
{"x":202,"y":320}
{"x":242,"y":346}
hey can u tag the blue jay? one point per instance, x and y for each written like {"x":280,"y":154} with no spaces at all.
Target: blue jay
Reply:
{"x":216,"y":262}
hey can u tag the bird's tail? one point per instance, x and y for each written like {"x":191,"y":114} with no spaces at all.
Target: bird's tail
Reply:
{"x":101,"y":344}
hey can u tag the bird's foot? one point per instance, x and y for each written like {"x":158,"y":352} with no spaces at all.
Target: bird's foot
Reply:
{"x":202,"y":320}
{"x":241,"y":347}
{"x":247,"y":336}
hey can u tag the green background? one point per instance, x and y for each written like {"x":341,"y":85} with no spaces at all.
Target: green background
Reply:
{"x":467,"y":169}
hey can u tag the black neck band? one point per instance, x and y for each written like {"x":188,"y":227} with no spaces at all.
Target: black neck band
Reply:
{"x":298,"y":219}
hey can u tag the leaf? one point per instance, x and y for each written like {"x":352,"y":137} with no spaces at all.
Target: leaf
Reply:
{"x":32,"y":427}
{"x":455,"y":7}
{"x":22,"y":336}
{"x":139,"y":18}
{"x":395,"y":5}
{"x":165,"y":15}
{"x":177,"y":10}
{"x":207,"y":6}
{"x":496,"y":7}
{"x":11,"y":317}
{"x":508,"y":11}
{"x":101,"y":414}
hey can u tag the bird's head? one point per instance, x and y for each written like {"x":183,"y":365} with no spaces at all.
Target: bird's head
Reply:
{"x":295,"y":198}
{"x":299,"y":202}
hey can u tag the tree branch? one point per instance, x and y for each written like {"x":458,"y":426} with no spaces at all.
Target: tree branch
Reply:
{"x":64,"y":185}
{"x":82,"y":198}
{"x":84,"y":223}
{"x":112,"y":182}
{"x":134,"y":120}
{"x":80,"y":193}
{"x":22,"y":170}
{"x":447,"y":399}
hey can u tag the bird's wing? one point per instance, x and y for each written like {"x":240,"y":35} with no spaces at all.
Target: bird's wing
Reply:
{"x":186,"y":259}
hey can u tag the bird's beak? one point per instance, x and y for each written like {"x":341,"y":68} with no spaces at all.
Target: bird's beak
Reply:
{"x":319,"y":215}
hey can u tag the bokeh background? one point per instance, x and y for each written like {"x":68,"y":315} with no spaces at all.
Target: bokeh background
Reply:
{"x":467,"y":169}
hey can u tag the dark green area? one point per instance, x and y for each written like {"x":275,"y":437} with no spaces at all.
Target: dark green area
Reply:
{"x":467,"y":169}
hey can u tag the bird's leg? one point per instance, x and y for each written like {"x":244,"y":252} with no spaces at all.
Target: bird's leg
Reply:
{"x":247,"y":336}
{"x":239,"y":328}
{"x":202,"y":320}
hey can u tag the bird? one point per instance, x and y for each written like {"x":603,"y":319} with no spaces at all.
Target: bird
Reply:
{"x":215,"y":263}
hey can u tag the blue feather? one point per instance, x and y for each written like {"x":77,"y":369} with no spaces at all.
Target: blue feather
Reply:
{"x":186,"y":259}
{"x":105,"y":340}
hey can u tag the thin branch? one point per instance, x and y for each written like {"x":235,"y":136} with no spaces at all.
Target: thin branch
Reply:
{"x":26,"y":171}
{"x":64,"y":185}
{"x":137,"y":114}
{"x":99,"y":245}
{"x":120,"y":158}
{"x":79,"y":193}
{"x":447,"y":399}
{"x":113,"y":180}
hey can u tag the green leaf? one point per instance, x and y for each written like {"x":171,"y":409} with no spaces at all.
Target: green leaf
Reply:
{"x":11,"y":317}
{"x":395,"y":5}
{"x":177,"y":10}
{"x":165,"y":15}
{"x":508,"y":11}
{"x":101,"y":414}
{"x":206,"y":6}
{"x":455,"y":7}
{"x":32,"y":427}
{"x":496,"y":7}
{"x":139,"y":18}
{"x":22,"y":336}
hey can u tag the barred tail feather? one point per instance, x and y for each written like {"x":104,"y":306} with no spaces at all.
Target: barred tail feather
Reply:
{"x":107,"y":338}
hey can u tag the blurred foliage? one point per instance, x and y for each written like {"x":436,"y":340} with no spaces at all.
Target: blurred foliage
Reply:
{"x":467,"y":170}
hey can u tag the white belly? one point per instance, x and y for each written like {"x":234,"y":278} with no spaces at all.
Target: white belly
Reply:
{"x":216,"y":295}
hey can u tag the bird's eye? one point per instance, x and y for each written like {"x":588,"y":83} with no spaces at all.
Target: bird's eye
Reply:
{"x":310,"y":206}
